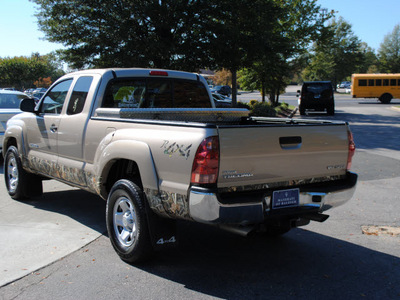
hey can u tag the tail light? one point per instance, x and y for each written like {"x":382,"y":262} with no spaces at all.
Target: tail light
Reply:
{"x":158,"y":73}
{"x":352,"y":149}
{"x":206,"y":162}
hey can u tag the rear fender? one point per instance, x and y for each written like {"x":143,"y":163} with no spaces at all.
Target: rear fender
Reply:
{"x":132,"y":150}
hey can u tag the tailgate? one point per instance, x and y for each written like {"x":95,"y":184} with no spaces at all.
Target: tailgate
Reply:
{"x":281,"y":153}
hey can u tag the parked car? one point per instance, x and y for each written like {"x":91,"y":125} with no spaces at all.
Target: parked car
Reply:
{"x":9,"y":106}
{"x":29,"y":91}
{"x":37,"y":96}
{"x":345,"y":85}
{"x":317,"y":95}
{"x":221,"y":100}
{"x":225,"y":90}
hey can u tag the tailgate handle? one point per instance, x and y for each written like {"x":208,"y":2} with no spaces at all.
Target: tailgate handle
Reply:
{"x":290,"y":142}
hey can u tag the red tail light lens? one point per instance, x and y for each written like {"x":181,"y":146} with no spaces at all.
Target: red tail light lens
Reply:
{"x":352,"y":149}
{"x":206,"y":162}
{"x":158,"y":73}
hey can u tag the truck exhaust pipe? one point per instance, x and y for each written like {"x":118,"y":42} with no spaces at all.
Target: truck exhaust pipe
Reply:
{"x":240,"y":230}
{"x":316,"y":217}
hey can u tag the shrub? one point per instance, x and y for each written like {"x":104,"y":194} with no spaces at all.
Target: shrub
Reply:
{"x":263,"y":109}
{"x":243,"y":105}
{"x":253,"y":102}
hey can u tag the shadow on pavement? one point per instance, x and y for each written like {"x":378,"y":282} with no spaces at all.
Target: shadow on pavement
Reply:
{"x":301,"y":265}
{"x":83,"y":207}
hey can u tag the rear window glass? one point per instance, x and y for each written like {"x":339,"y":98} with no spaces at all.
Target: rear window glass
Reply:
{"x":317,"y":87}
{"x":10,"y":100}
{"x":156,"y":93}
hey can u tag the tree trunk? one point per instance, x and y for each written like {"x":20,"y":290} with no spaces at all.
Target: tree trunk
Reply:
{"x":263,"y":91}
{"x":234,"y":88}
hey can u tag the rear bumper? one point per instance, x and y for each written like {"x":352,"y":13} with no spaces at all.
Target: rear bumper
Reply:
{"x":205,"y":207}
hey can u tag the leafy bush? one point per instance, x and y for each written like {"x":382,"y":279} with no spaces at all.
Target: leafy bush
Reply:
{"x":243,"y":105}
{"x":263,"y":109}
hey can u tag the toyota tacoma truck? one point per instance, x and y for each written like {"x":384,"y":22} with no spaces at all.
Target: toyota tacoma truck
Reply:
{"x":152,"y":144}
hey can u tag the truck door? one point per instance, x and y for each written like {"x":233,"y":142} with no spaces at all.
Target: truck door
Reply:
{"x":43,"y":129}
{"x":72,"y":129}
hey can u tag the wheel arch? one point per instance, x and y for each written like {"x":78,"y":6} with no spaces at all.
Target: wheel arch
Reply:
{"x":14,"y":137}
{"x":131,"y":160}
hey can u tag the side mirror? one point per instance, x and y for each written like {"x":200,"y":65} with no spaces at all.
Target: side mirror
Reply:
{"x":27,"y":105}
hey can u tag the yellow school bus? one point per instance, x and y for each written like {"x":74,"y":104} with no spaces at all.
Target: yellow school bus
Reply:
{"x":385,"y":87}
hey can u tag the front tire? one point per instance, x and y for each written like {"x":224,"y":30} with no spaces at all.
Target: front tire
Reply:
{"x":127,"y":223}
{"x":14,"y":175}
{"x":20,"y":184}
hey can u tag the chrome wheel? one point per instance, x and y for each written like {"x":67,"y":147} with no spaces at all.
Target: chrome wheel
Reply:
{"x":12,"y":174}
{"x":127,"y":223}
{"x":124,"y":219}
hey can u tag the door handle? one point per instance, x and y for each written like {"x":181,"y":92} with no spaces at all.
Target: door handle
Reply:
{"x":290,"y":142}
{"x":53,"y":128}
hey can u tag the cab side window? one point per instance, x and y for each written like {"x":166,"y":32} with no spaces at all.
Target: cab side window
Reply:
{"x":55,"y":98}
{"x":79,"y":95}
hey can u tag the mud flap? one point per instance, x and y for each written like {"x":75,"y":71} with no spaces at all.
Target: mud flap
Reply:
{"x":33,"y":186}
{"x":162,"y":231}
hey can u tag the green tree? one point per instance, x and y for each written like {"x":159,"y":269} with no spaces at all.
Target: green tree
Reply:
{"x":237,"y":28}
{"x":336,"y":58}
{"x":124,"y":33}
{"x":297,"y":24}
{"x":369,"y":61}
{"x":389,"y":52}
{"x":21,"y":72}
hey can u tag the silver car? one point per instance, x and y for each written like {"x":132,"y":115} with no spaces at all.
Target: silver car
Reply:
{"x":9,"y":106}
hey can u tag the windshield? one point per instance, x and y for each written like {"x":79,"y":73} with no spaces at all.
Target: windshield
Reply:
{"x":11,"y":100}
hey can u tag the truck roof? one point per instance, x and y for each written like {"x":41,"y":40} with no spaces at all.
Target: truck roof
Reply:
{"x":140,"y":72}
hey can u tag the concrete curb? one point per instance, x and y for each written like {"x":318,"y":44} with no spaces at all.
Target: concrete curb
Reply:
{"x":395,"y":108}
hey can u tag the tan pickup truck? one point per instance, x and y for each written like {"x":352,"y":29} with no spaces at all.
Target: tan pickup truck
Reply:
{"x":153,"y":145}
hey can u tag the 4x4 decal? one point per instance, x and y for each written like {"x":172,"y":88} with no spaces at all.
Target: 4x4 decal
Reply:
{"x":175,"y":148}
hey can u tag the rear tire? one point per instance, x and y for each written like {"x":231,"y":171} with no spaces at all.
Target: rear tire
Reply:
{"x":386,"y":98}
{"x":302,"y":110}
{"x":127,"y":223}
{"x":330,"y":110}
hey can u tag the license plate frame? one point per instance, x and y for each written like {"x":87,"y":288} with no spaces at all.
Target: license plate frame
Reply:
{"x":285,"y":198}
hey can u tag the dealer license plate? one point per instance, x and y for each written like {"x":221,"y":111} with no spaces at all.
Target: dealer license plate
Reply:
{"x":285,"y":198}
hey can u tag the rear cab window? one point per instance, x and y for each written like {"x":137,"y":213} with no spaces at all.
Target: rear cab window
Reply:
{"x":156,"y":93}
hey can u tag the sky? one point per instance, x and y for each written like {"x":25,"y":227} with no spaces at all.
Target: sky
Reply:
{"x":371,"y":20}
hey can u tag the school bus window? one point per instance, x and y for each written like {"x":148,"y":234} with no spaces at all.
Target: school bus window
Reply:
{"x":378,"y":82}
{"x":362,"y":82}
{"x":385,"y":82}
{"x":392,"y":82}
{"x":398,"y":82}
{"x":371,"y":82}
